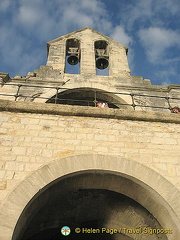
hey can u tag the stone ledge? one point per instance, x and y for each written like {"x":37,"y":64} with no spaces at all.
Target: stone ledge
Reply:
{"x":69,"y":110}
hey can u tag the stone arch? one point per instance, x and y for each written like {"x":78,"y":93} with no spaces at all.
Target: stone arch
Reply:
{"x":160,"y":197}
{"x":88,"y":97}
{"x":114,"y":100}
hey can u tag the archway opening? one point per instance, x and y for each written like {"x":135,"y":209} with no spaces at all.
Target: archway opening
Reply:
{"x":82,"y":201}
{"x":72,"y":65}
{"x":87,"y":97}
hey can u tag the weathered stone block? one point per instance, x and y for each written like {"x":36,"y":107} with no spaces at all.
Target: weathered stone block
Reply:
{"x":3,"y":185}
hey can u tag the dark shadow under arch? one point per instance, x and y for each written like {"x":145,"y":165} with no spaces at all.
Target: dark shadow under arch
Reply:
{"x":81,"y":200}
{"x":87,"y":97}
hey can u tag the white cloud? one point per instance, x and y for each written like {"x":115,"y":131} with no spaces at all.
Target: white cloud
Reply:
{"x":93,"y":6}
{"x":29,"y":16}
{"x":166,"y":74}
{"x":166,"y":83}
{"x":172,"y":7}
{"x":157,"y":41}
{"x":170,"y":61}
{"x":17,"y":52}
{"x":4,"y":4}
{"x":60,"y":17}
{"x":151,"y":12}
{"x":72,"y":16}
{"x":141,"y":11}
{"x":81,"y":13}
{"x":121,"y":36}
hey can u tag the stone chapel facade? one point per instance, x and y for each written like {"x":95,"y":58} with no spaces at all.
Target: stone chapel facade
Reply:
{"x":66,"y":162}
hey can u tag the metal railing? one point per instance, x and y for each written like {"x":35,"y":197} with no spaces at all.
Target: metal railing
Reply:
{"x":137,"y":100}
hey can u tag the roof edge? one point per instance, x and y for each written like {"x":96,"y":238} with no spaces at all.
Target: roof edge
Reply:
{"x":83,"y":29}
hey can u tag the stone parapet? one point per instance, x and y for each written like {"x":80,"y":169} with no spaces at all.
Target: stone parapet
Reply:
{"x":69,"y":110}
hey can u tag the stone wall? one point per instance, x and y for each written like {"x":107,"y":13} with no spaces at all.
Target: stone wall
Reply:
{"x":30,"y":139}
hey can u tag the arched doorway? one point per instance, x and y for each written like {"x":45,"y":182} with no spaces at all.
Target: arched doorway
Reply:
{"x":82,"y":200}
{"x":90,"y":191}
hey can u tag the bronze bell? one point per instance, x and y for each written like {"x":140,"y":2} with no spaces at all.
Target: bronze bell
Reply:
{"x":102,"y":63}
{"x":73,"y":59}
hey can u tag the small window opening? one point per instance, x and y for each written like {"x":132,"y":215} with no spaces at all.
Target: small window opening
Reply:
{"x":72,"y":56}
{"x":102,"y":58}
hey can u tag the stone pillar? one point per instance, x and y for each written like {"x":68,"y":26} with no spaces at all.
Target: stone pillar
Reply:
{"x":87,"y":64}
{"x":118,"y":63}
{"x":56,"y":55}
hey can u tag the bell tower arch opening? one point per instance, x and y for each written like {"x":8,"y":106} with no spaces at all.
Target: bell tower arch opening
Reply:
{"x":72,"y":56}
{"x":102,"y":57}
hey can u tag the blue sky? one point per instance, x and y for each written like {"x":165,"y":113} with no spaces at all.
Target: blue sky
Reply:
{"x":149,"y":28}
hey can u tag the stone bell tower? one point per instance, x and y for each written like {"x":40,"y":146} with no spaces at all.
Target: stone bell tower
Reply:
{"x":66,"y":162}
{"x":92,"y":50}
